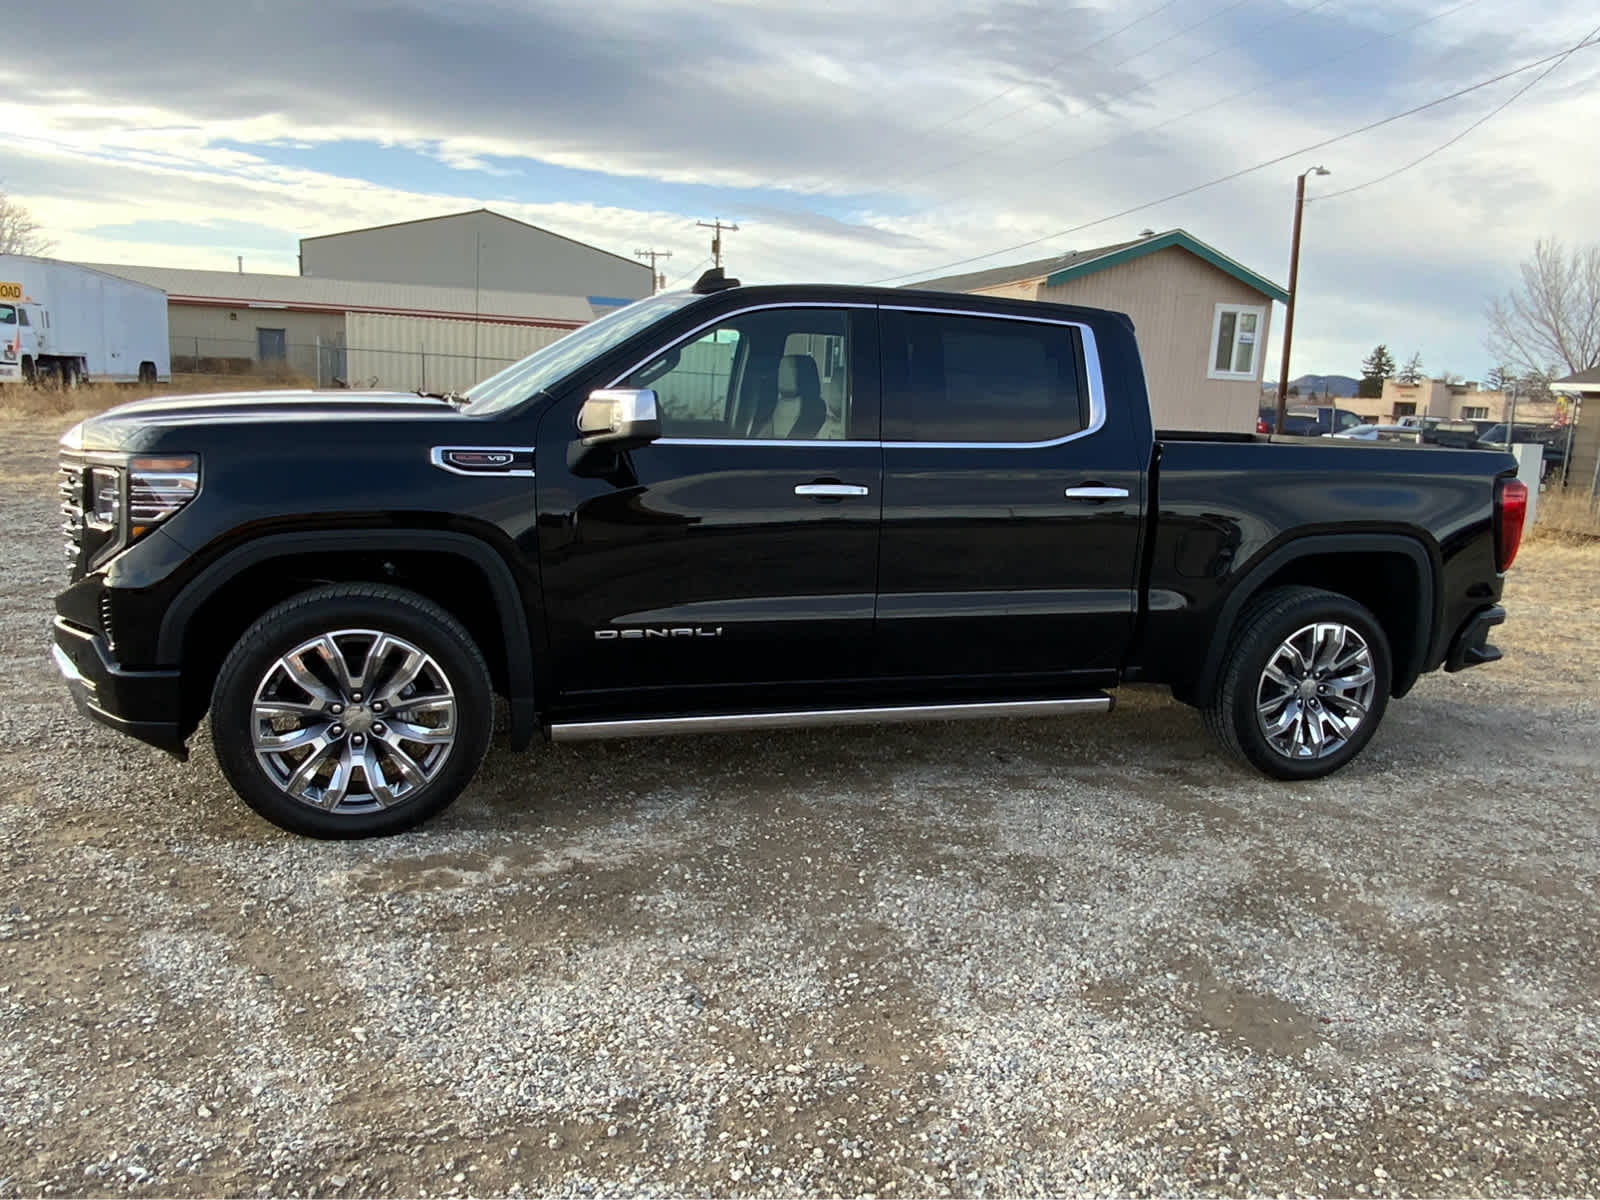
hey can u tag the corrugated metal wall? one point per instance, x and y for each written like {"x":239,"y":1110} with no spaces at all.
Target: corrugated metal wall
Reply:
{"x":437,"y":355}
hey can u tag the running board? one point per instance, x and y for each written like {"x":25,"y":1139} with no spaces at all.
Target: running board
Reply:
{"x":583,"y":731}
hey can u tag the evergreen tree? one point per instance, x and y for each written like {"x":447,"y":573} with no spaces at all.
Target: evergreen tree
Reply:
{"x":1375,"y":368}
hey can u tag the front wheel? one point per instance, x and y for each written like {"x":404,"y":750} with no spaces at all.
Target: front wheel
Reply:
{"x":353,"y":710}
{"x":1305,"y":683}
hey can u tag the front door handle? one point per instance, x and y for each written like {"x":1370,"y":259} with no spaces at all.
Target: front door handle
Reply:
{"x":1096,"y":492}
{"x":829,"y":491}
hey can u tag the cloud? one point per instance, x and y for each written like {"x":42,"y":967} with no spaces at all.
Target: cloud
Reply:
{"x":852,"y":142}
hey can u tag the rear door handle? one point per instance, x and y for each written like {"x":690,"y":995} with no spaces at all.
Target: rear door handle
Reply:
{"x":830,"y":491}
{"x":1096,"y":492}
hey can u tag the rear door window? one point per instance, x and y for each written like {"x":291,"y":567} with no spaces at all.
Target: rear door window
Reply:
{"x":963,"y":379}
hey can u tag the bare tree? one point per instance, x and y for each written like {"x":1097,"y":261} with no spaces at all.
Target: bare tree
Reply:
{"x":19,"y":232}
{"x":1551,"y":324}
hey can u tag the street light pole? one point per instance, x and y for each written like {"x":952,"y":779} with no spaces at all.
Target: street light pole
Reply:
{"x":1294,"y":279}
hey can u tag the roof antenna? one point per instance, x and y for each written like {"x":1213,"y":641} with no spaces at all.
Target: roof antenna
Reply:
{"x":713,"y":280}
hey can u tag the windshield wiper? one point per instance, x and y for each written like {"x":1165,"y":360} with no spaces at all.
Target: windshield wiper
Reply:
{"x":453,"y":399}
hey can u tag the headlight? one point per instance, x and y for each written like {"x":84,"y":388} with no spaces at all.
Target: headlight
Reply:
{"x":105,"y":497}
{"x":158,"y":486}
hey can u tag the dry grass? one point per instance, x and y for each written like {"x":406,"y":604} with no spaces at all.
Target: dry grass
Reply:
{"x":20,"y":402}
{"x":1567,"y":516}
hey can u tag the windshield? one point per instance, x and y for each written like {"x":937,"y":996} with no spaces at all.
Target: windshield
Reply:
{"x":542,"y":368}
{"x":8,"y":315}
{"x":1495,"y":433}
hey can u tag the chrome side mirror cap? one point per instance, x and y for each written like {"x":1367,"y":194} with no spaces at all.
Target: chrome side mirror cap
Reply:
{"x":619,"y":417}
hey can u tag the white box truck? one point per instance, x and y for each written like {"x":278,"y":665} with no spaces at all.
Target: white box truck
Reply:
{"x":64,"y":324}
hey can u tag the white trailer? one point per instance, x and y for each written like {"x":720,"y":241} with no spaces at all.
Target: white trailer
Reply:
{"x":65,"y":324}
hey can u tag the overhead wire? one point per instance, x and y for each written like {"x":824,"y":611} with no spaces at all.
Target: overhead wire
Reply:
{"x":1488,"y":116}
{"x":691,"y":271}
{"x":1588,"y":41}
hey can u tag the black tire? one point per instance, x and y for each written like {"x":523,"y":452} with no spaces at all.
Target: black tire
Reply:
{"x":147,"y":373}
{"x":254,"y":672}
{"x":1264,"y":627}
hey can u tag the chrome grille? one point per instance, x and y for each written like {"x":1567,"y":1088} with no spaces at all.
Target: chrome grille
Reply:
{"x":72,"y":510}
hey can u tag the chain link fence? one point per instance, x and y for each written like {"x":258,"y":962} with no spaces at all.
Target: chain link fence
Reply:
{"x":334,"y":366}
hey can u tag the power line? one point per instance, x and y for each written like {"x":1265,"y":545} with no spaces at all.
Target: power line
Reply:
{"x":1039,"y":168}
{"x":1200,"y":187}
{"x":1492,"y":113}
{"x":694,"y":270}
{"x":717,"y":227}
{"x":653,"y":255}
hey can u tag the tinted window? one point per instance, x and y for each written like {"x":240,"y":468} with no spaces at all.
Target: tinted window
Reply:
{"x":780,"y":375}
{"x":980,"y":379}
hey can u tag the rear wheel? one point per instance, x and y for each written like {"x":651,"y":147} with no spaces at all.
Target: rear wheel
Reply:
{"x":1305,"y":683}
{"x":354,"y":710}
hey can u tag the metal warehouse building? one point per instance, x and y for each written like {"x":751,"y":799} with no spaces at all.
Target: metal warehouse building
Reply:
{"x":481,"y":250}
{"x":435,"y":304}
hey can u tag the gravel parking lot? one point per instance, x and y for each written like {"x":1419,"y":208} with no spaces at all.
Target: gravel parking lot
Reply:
{"x":1015,"y":957}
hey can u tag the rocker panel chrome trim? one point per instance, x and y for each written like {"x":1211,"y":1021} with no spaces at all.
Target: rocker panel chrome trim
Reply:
{"x":579,"y":731}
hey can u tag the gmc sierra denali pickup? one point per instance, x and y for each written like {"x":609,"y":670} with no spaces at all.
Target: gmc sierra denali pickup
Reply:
{"x":743,"y":508}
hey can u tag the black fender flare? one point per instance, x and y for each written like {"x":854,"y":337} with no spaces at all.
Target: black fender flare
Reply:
{"x":508,"y":600}
{"x":1426,"y":616}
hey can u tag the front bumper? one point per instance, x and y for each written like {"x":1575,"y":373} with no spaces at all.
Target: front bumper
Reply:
{"x":142,"y":704}
{"x":1470,"y":647}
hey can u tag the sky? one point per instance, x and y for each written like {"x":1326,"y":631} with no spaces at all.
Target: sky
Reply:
{"x":850,"y":142}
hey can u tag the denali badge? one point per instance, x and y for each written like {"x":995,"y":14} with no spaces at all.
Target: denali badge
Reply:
{"x":663,"y":631}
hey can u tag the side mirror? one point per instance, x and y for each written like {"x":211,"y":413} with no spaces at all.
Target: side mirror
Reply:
{"x":620,"y":418}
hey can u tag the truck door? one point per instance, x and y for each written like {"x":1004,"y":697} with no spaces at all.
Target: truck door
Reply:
{"x":739,"y":552}
{"x":1011,"y":504}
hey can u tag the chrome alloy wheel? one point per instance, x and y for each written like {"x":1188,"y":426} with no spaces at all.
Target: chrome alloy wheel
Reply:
{"x":1316,"y":690}
{"x":353,"y":721}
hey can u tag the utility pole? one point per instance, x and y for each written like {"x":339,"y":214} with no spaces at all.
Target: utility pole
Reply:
{"x":1294,"y":278}
{"x":657,"y":281}
{"x":716,"y":237}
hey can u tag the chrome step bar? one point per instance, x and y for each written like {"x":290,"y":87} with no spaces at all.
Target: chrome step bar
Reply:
{"x":584,"y":731}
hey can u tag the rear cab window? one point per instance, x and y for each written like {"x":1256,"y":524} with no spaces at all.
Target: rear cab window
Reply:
{"x":953,"y":378}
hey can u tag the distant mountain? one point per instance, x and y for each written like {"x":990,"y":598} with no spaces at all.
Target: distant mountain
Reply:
{"x":1341,"y":386}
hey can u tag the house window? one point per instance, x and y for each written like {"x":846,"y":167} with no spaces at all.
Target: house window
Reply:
{"x":1475,"y":412}
{"x":1236,"y":342}
{"x":1405,"y":408}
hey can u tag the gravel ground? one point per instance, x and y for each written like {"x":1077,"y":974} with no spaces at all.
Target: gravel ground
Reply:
{"x":1080,"y":956}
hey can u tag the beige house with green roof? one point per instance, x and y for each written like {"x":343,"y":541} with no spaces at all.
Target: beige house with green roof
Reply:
{"x":1202,"y":319}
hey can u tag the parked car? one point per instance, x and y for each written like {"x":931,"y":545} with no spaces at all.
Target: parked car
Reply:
{"x":1552,"y":437}
{"x":744,"y":508}
{"x":1313,"y":421}
{"x":1382,"y":433}
{"x":1438,"y":431}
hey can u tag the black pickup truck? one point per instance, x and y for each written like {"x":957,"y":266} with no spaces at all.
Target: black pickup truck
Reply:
{"x":743,"y":508}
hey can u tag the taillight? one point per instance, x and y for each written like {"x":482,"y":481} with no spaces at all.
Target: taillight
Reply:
{"x":1262,"y":426}
{"x":1510,"y":507}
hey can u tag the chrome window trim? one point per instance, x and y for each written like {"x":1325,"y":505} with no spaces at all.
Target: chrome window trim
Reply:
{"x":1091,"y":367}
{"x":798,"y":442}
{"x":437,"y":453}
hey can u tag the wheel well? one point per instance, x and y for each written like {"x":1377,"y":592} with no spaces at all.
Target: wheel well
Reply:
{"x":452,"y":581}
{"x":1388,"y":584}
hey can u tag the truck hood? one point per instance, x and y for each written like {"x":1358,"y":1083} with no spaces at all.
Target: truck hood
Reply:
{"x":132,"y":426}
